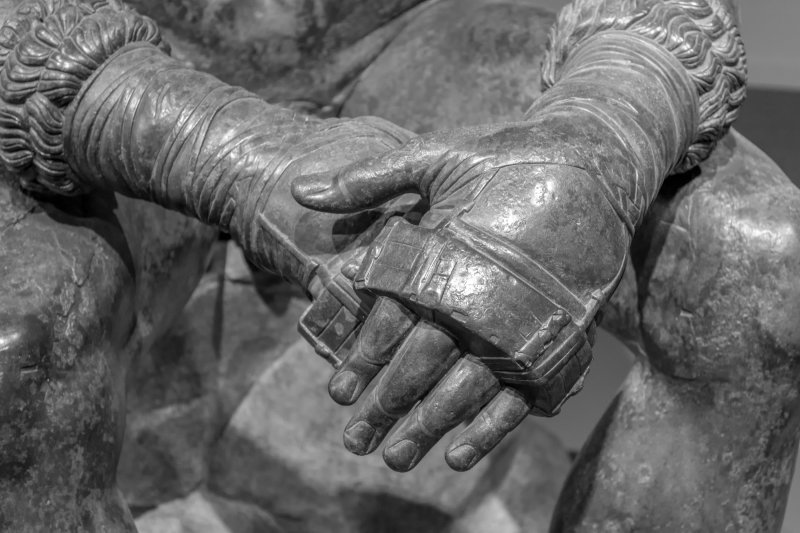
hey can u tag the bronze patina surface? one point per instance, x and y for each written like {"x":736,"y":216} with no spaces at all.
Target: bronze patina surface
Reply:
{"x":620,"y":189}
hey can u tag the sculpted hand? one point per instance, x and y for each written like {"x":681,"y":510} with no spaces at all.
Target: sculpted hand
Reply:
{"x":526,"y":237}
{"x":510,"y":265}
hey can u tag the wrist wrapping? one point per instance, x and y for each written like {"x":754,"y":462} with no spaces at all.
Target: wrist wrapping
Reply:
{"x":625,"y":112}
{"x":701,"y":34}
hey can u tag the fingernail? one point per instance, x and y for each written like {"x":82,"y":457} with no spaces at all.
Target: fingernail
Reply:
{"x":358,"y":438}
{"x":402,"y":456}
{"x":350,"y":270}
{"x":462,"y":458}
{"x":343,"y":387}
{"x":309,"y":187}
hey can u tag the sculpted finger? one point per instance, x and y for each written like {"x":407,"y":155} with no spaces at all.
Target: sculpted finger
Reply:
{"x":367,"y":183}
{"x":405,"y":169}
{"x":467,"y":387}
{"x":504,"y":413}
{"x":375,"y":180}
{"x":386,"y":326}
{"x":420,"y":362}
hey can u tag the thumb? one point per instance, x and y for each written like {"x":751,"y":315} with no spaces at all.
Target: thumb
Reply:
{"x":370,"y":182}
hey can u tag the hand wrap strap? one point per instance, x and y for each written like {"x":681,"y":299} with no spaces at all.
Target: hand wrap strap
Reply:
{"x":702,"y":34}
{"x":187,"y":141}
{"x":432,"y":270}
{"x":654,"y":84}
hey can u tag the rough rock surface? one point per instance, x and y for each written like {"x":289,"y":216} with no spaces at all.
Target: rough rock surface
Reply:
{"x":230,"y":430}
{"x":201,"y":512}
{"x":173,"y":406}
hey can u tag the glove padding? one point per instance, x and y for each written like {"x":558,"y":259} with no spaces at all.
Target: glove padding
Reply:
{"x":522,"y":336}
{"x":520,"y":248}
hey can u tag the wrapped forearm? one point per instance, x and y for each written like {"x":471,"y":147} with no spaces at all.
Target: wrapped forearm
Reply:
{"x":148,"y":127}
{"x":650,"y":85}
{"x":627,"y":112}
{"x":92,"y":101}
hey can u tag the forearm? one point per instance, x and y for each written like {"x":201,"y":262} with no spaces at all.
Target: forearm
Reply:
{"x":99,"y":104}
{"x":649,"y":88}
{"x":148,"y":127}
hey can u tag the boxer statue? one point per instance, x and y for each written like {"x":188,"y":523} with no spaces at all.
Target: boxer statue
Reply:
{"x":620,"y":189}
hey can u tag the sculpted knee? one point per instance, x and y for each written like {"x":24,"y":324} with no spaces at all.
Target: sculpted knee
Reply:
{"x":63,"y":317}
{"x":773,"y":269}
{"x":24,"y":342}
{"x":722,"y":298}
{"x":59,"y":427}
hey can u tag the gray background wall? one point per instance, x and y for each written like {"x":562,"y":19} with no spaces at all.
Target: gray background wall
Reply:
{"x":769,"y":118}
{"x":770,"y":31}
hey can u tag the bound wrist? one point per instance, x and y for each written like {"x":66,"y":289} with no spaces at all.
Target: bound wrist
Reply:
{"x":629,"y":109}
{"x":702,"y":35}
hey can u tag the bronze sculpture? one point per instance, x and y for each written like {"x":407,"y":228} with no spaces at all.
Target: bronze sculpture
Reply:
{"x":477,"y":152}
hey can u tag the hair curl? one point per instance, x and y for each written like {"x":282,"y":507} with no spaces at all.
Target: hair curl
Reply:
{"x":48,"y":49}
